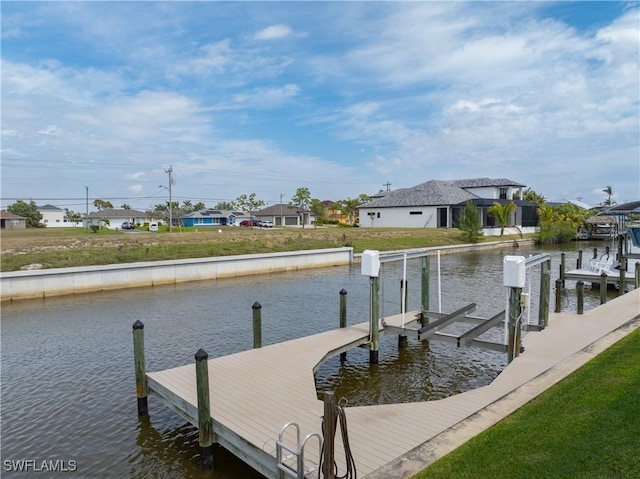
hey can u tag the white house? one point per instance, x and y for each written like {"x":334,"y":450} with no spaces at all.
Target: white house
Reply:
{"x":439,"y":204}
{"x":116,"y":217}
{"x":54,"y":217}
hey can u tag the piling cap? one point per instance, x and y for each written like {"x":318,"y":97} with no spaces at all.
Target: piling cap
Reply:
{"x":138,"y":325}
{"x":201,"y":355}
{"x":343,"y":291}
{"x":256,"y":305}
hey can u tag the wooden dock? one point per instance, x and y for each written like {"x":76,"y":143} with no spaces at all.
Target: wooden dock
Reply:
{"x":253,"y":394}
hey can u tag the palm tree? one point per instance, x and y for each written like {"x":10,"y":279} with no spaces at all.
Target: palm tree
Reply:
{"x":609,"y":192}
{"x":503,"y":214}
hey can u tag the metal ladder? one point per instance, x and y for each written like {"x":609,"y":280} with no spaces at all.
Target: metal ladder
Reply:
{"x":297,"y":469}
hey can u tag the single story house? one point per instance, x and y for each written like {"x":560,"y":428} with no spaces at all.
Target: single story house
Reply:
{"x":440,"y":204}
{"x":211,"y":217}
{"x":9,"y":221}
{"x":54,"y":217}
{"x":116,"y":217}
{"x":283,"y":214}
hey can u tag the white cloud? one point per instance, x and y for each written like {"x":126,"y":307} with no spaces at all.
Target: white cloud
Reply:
{"x":51,"y":130}
{"x":274,"y":32}
{"x":135,"y":189}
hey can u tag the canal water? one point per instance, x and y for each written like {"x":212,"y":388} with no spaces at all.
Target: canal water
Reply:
{"x":67,"y":376}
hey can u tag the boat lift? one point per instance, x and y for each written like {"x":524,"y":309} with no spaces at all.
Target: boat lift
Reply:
{"x":425,"y":324}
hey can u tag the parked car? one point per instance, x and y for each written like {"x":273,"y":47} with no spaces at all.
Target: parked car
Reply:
{"x":127,"y":225}
{"x":249,"y":223}
{"x":266,"y":224}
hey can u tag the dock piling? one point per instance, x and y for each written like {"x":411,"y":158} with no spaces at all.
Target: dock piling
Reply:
{"x":257,"y":325}
{"x":545,"y":285}
{"x":205,"y":424}
{"x":403,"y":341}
{"x":141,"y":377}
{"x":514,"y":321}
{"x":580,"y":292}
{"x":424,"y":290}
{"x":343,"y":317}
{"x":579,"y":260}
{"x":595,"y":253}
{"x":329,"y":433}
{"x":623,"y":279}
{"x":603,"y":287}
{"x":374,"y":319}
{"x":637,"y":274}
{"x":558,"y":295}
{"x":563,"y":268}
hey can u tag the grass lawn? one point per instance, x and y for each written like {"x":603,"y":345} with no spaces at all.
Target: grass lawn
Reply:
{"x":67,"y":247}
{"x":587,"y":426}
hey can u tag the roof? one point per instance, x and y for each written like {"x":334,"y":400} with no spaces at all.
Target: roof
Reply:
{"x":484,"y":182}
{"x":277,"y":210}
{"x":210,"y":213}
{"x":431,"y":193}
{"x":631,"y":207}
{"x":599,"y":220}
{"x":48,"y":208}
{"x":5,"y":215}
{"x":490,"y":202}
{"x":117,"y":213}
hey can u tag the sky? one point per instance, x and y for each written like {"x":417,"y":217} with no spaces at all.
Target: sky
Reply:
{"x":100,"y":99}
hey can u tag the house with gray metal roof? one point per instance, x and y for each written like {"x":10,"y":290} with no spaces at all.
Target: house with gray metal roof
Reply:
{"x":439,"y":204}
{"x":112,"y":218}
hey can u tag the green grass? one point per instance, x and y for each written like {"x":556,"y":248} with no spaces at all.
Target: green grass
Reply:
{"x":587,"y":426}
{"x":69,"y":247}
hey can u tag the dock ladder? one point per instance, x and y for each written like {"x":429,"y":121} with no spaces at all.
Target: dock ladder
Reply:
{"x":295,"y":469}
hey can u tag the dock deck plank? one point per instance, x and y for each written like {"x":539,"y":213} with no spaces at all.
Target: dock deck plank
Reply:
{"x":254,"y":393}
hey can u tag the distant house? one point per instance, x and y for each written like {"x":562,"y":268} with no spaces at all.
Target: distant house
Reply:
{"x":116,"y":217}
{"x":9,"y":221}
{"x":211,"y":217}
{"x":54,"y":217}
{"x":283,"y":214}
{"x":439,"y":204}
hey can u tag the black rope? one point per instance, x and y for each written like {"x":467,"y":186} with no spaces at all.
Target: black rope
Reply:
{"x":350,"y":472}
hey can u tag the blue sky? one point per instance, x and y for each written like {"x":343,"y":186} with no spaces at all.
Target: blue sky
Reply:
{"x":338,"y":97}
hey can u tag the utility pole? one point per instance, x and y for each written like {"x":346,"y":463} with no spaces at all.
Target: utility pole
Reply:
{"x":281,"y":217}
{"x":86,"y":213}
{"x":169,"y":172}
{"x":387,"y":184}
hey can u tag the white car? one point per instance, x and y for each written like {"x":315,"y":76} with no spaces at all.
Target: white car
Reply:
{"x":266,"y":224}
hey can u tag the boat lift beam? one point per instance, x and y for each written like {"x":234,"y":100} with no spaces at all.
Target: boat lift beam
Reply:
{"x":466,"y":338}
{"x":432,"y":328}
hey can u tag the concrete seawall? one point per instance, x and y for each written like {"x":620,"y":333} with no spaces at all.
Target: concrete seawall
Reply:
{"x":63,"y":281}
{"x":18,"y":285}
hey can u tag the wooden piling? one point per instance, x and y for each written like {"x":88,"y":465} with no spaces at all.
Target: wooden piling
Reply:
{"x":622,"y":285}
{"x":374,"y":318}
{"x":563,"y":268}
{"x":424,"y":290}
{"x":515,"y":318}
{"x":257,"y":325}
{"x":329,"y":433}
{"x":637,"y":274}
{"x":343,"y":317}
{"x":579,"y":260}
{"x":603,"y":287}
{"x":403,"y":341}
{"x":545,"y":292}
{"x":580,"y":294}
{"x":141,"y":377}
{"x":558,"y":295}
{"x":205,"y":424}
{"x":595,"y":253}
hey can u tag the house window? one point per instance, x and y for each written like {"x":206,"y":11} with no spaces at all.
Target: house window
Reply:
{"x":503,"y":193}
{"x":415,"y":212}
{"x":378,"y":215}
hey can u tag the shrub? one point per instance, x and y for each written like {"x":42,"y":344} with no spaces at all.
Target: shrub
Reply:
{"x":556,"y":233}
